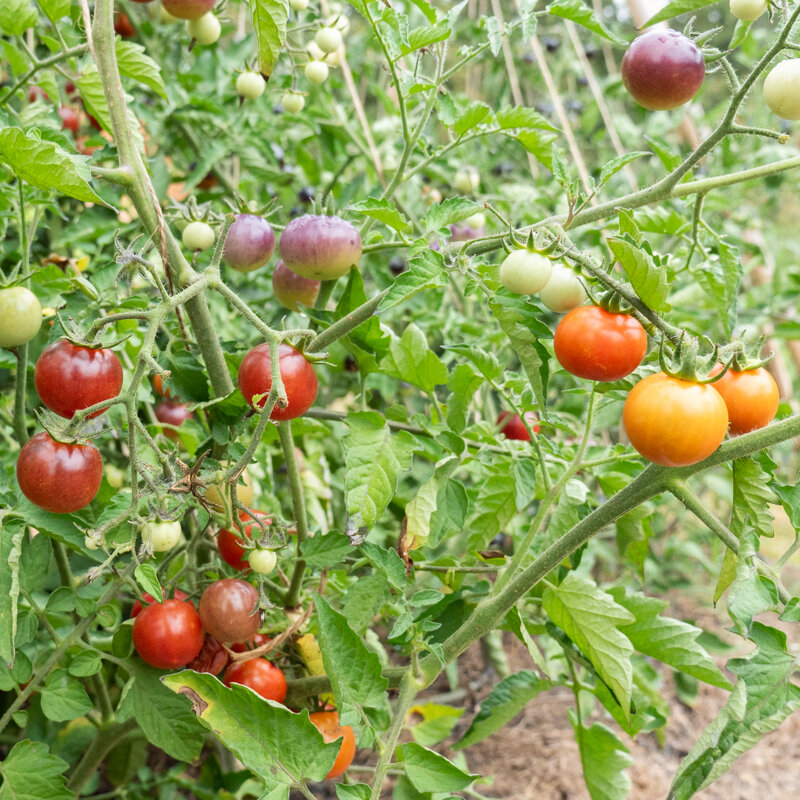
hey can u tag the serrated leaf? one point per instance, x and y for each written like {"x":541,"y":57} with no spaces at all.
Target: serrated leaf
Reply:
{"x":411,"y":360}
{"x":436,"y":722}
{"x":496,"y":502}
{"x":752,"y":497}
{"x":325,"y":551}
{"x":612,"y":167}
{"x":134,"y":63}
{"x":582,"y":15}
{"x":63,"y":697}
{"x":384,"y":211}
{"x":720,"y":274}
{"x":16,"y":16}
{"x":451,"y":210}
{"x":425,"y":271}
{"x":31,"y":772}
{"x":675,"y":9}
{"x":604,"y":760}
{"x":147,"y":577}
{"x":452,"y":507}
{"x":429,"y":771}
{"x":388,"y":562}
{"x":539,"y":143}
{"x":475,"y":114}
{"x":425,"y":37}
{"x":522,"y":117}
{"x":648,"y":280}
{"x":726,"y":574}
{"x":591,"y":618}
{"x":55,"y":9}
{"x":269,"y":21}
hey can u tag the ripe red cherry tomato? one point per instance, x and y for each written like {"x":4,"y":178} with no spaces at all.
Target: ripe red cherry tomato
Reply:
{"x":751,"y":398}
{"x":256,"y":640}
{"x":171,"y":413}
{"x":69,"y":378}
{"x":513,"y":428}
{"x":148,"y":599}
{"x":229,"y":610}
{"x":123,"y":25}
{"x":260,"y":675}
{"x":188,"y":9}
{"x":231,"y":546}
{"x":69,"y":119}
{"x":298,"y":375}
{"x":327,"y":723}
{"x":213,"y":658}
{"x":595,"y":344}
{"x":168,"y":635}
{"x":673,"y":422}
{"x":663,"y":69}
{"x":59,"y":477}
{"x":36,"y":92}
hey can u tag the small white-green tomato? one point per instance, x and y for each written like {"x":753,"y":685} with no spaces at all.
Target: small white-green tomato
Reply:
{"x":205,"y":30}
{"x":329,"y":40}
{"x":90,"y":543}
{"x":114,"y":475}
{"x":298,"y":5}
{"x":197,"y":236}
{"x":293,"y":102}
{"x":563,"y":291}
{"x":262,"y":561}
{"x":161,"y":536}
{"x":525,"y":272}
{"x":467,"y":180}
{"x":748,"y":10}
{"x":250,"y":85}
{"x":316,"y":72}
{"x":476,"y":220}
{"x":782,"y":89}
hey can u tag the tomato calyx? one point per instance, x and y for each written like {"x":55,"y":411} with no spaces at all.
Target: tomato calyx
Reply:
{"x":689,"y":363}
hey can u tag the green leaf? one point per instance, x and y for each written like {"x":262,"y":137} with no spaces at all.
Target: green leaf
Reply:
{"x":752,"y":497}
{"x":436,"y":722}
{"x":16,"y":16}
{"x":726,"y":574}
{"x":269,"y":21}
{"x":147,"y":578}
{"x":539,"y":144}
{"x":30,"y":772}
{"x":581,"y":14}
{"x":496,"y":504}
{"x":505,"y":701}
{"x":374,"y":458}
{"x":425,"y":271}
{"x":612,"y":167}
{"x":11,"y":537}
{"x":452,"y":507}
{"x":55,"y":9}
{"x":522,"y":117}
{"x":431,"y":772}
{"x":85,"y":664}
{"x":425,"y":37}
{"x":451,"y":210}
{"x":463,"y":385}
{"x":388,"y":562}
{"x":63,"y":697}
{"x":384,"y":211}
{"x":604,"y":760}
{"x":352,"y":791}
{"x":671,"y":641}
{"x":134,"y":63}
{"x":675,"y":9}
{"x":476,"y":113}
{"x":47,"y":166}
{"x":590,"y":617}
{"x":720,"y":274}
{"x":280,"y":746}
{"x":325,"y":551}
{"x":648,"y":280}
{"x":90,"y":88}
{"x":411,"y":360}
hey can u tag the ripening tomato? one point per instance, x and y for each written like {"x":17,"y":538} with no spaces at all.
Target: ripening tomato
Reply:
{"x":213,"y":658}
{"x":59,"y":477}
{"x":599,"y":345}
{"x":229,"y":610}
{"x":168,"y":412}
{"x":158,"y":385}
{"x":188,"y":9}
{"x":674,"y":422}
{"x":231,"y":546}
{"x":69,"y":377}
{"x":260,"y":675}
{"x":512,"y":427}
{"x":148,"y":599}
{"x":297,"y":373}
{"x":168,"y":635}
{"x":69,"y":119}
{"x":256,"y":640}
{"x":327,"y":723}
{"x":751,"y":398}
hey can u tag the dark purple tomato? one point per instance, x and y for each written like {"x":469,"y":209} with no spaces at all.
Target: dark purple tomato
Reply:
{"x":36,"y":92}
{"x":229,"y":610}
{"x":290,"y":288}
{"x":250,"y":243}
{"x":59,"y":477}
{"x":322,"y":248}
{"x":464,"y":233}
{"x":297,"y":373}
{"x":188,"y":9}
{"x":663,"y":69}
{"x":69,"y":377}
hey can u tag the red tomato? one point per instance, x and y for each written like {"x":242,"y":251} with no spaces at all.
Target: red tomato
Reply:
{"x":231,"y":546}
{"x":148,"y":599}
{"x":299,"y":380}
{"x":260,"y":675}
{"x":213,"y":658}
{"x":673,"y":422}
{"x":123,"y":25}
{"x":751,"y":398}
{"x":37,"y":92}
{"x":513,"y":428}
{"x":158,"y":385}
{"x":69,"y":378}
{"x":169,"y":412}
{"x":327,"y":723}
{"x":595,"y":344}
{"x":168,"y":635}
{"x":229,"y":610}
{"x":59,"y":477}
{"x":256,"y":640}
{"x":69,"y":119}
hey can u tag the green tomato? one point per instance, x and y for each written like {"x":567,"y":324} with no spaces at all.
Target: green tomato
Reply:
{"x":476,"y":220}
{"x":467,"y":180}
{"x":563,"y":291}
{"x":329,"y":40}
{"x":205,"y":30}
{"x":782,"y":89}
{"x":20,"y":316}
{"x":262,"y":561}
{"x":525,"y":272}
{"x":748,"y":10}
{"x":90,"y":543}
{"x":316,"y":72}
{"x":161,"y":536}
{"x":298,"y":5}
{"x":115,"y":476}
{"x":250,"y":85}
{"x":198,"y":236}
{"x":293,"y":102}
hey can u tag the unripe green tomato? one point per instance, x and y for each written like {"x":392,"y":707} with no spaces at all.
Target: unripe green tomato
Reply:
{"x":205,"y":30}
{"x":198,"y":236}
{"x":329,"y":40}
{"x":476,"y":220}
{"x":293,"y":102}
{"x":165,"y":18}
{"x":525,"y":272}
{"x":90,"y":543}
{"x":161,"y":536}
{"x":467,"y":180}
{"x":115,"y":476}
{"x":298,"y":5}
{"x":262,"y":561}
{"x":748,"y":10}
{"x":250,"y":85}
{"x":563,"y":291}
{"x":20,"y":316}
{"x":316,"y":72}
{"x":782,"y":89}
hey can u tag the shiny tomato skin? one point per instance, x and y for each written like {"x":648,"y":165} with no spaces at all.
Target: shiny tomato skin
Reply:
{"x":59,"y":477}
{"x":672,"y":422}
{"x":212,"y":658}
{"x":751,"y":398}
{"x":148,"y":599}
{"x":231,"y":546}
{"x":599,"y":345}
{"x":256,"y":640}
{"x":228,"y":609}
{"x":260,"y":675}
{"x":69,"y":377}
{"x":297,"y":373}
{"x":168,"y":635}
{"x":327,"y":723}
{"x":512,"y":427}
{"x":168,"y":412}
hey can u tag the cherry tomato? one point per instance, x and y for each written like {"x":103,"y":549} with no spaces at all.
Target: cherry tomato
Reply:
{"x":299,"y":5}
{"x":123,"y":25}
{"x":748,"y":10}
{"x":250,"y":85}
{"x":256,"y":640}
{"x":316,"y":72}
{"x":231,"y":546}
{"x":197,"y":236}
{"x":158,"y":385}
{"x":205,"y":30}
{"x":525,"y":272}
{"x":69,"y":377}
{"x":213,"y":658}
{"x":244,"y":492}
{"x":35,"y":93}
{"x":595,"y":344}
{"x":513,"y":427}
{"x":69,"y":119}
{"x":20,"y":316}
{"x":188,"y":9}
{"x":262,"y":561}
{"x":663,"y":69}
{"x":161,"y":536}
{"x":327,"y":723}
{"x":229,"y":610}
{"x":260,"y":675}
{"x":293,"y":102}
{"x":563,"y":291}
{"x":148,"y":599}
{"x":290,"y":288}
{"x":780,"y":89}
{"x":298,"y":375}
{"x":59,"y":477}
{"x":168,"y":635}
{"x":251,"y":241}
{"x":329,"y":40}
{"x":168,"y":412}
{"x":322,"y":248}
{"x":467,"y":180}
{"x":673,"y":422}
{"x":751,"y":398}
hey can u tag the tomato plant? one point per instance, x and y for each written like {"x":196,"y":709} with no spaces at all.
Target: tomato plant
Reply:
{"x":780,"y":89}
{"x":260,"y":675}
{"x":250,"y":85}
{"x":198,"y":236}
{"x":525,"y":272}
{"x":229,"y":610}
{"x":161,"y":536}
{"x":205,"y":30}
{"x":168,"y":635}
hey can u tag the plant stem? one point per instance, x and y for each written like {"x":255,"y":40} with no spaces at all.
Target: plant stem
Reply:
{"x":105,"y":740}
{"x":346,"y":324}
{"x":299,"y":504}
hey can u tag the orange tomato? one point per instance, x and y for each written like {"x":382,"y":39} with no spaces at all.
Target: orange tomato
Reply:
{"x":327,"y":723}
{"x":751,"y":398}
